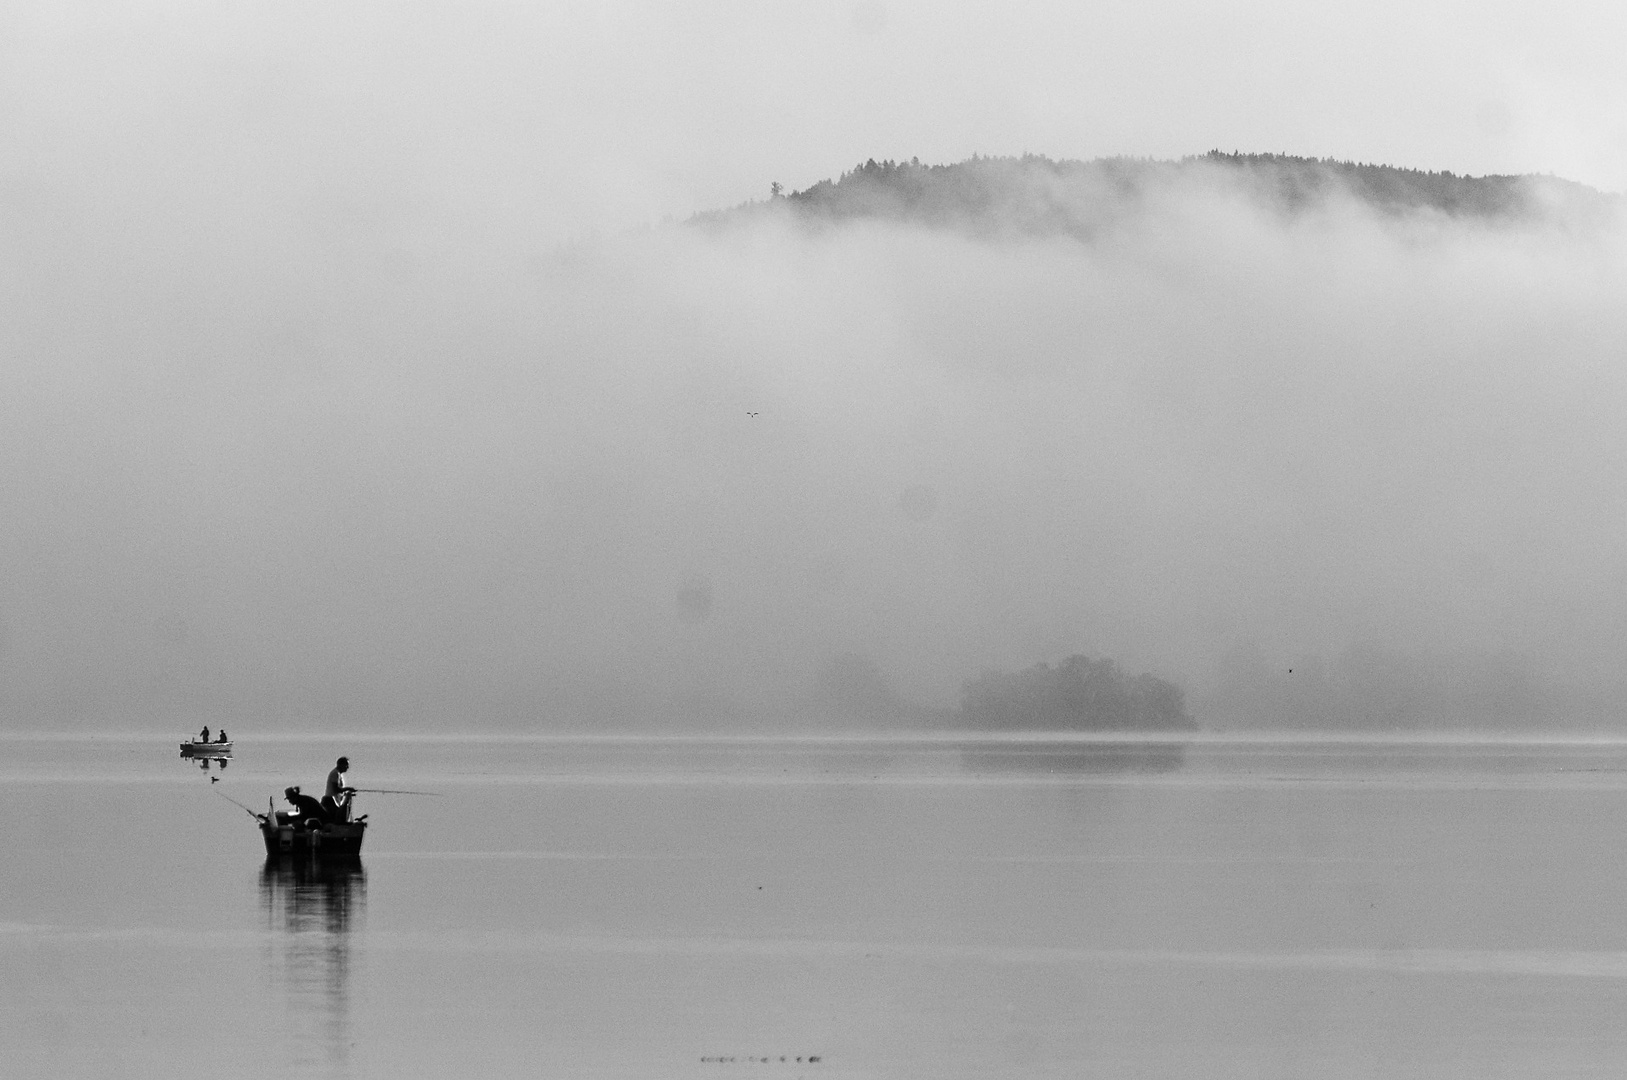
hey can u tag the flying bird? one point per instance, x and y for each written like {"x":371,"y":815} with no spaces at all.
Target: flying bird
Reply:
{"x":750,"y":413}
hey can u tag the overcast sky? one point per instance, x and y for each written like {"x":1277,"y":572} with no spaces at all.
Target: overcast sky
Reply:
{"x":601,"y":114}
{"x":332,"y":382}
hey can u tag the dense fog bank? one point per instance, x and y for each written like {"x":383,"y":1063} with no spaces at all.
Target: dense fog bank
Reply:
{"x":407,"y":475}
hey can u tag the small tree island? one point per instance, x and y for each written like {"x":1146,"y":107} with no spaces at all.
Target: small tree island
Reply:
{"x":1079,"y":694}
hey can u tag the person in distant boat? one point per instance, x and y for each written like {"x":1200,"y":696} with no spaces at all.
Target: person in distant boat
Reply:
{"x":204,"y":735}
{"x":336,"y":800}
{"x":304,"y":805}
{"x":222,"y":736}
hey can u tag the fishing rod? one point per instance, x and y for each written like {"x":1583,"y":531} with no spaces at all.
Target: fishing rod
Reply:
{"x":234,"y":802}
{"x":394,"y":791}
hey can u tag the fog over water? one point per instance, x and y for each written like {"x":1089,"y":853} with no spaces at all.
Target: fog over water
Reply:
{"x":308,"y":411}
{"x":266,"y":468}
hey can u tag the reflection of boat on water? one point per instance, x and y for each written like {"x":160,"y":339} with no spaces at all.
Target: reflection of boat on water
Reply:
{"x":311,"y":909}
{"x":1067,"y":757}
{"x":312,"y":839}
{"x":195,"y":748}
{"x":305,"y":895}
{"x":313,"y":895}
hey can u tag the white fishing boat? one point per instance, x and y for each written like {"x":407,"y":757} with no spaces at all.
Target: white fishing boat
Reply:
{"x":194,"y":748}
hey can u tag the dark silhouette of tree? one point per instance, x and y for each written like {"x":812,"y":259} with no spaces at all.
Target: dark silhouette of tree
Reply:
{"x":1079,"y":694}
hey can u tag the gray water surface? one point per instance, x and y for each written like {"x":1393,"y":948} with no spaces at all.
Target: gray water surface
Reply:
{"x":823,"y":907}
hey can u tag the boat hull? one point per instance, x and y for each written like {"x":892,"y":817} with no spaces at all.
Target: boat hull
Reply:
{"x":341,"y":840}
{"x":205,"y":749}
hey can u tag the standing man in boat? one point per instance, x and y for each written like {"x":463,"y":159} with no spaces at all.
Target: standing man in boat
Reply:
{"x":203,"y":736}
{"x":336,"y":800}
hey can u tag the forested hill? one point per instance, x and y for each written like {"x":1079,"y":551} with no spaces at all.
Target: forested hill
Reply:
{"x":1036,"y":195}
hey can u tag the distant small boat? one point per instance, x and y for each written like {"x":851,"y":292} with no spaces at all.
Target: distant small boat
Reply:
{"x":205,"y":749}
{"x":286,"y":835}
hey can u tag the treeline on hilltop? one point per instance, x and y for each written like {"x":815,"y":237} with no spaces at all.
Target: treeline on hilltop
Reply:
{"x":1301,"y":182}
{"x":1035,"y":195}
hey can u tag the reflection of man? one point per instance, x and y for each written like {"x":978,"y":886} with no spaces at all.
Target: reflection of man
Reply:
{"x":336,"y":800}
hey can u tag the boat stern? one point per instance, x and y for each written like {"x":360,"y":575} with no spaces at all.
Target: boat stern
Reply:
{"x":341,"y":840}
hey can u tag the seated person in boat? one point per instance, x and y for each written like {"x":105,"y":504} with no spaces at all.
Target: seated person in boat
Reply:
{"x":222,"y":737}
{"x":305,"y":806}
{"x":336,"y":800}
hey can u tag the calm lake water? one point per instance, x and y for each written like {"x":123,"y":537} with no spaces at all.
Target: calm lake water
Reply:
{"x":822,"y":908}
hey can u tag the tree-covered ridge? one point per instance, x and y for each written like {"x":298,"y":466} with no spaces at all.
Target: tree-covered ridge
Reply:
{"x":1035,"y":195}
{"x":1300,"y":182}
{"x":1079,"y":694}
